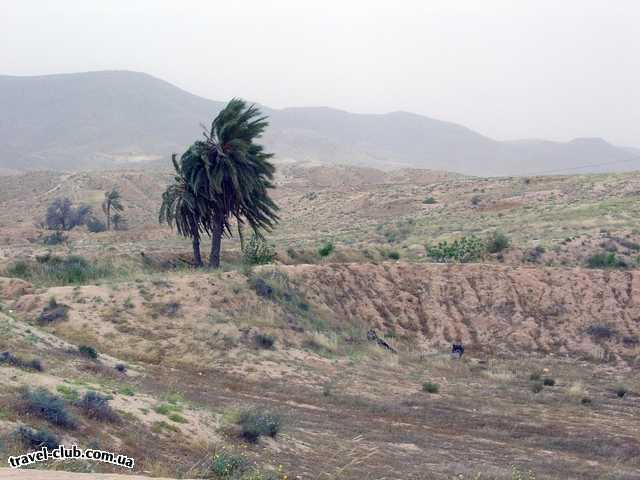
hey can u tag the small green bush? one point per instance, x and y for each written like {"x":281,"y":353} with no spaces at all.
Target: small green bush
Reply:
{"x":88,"y":351}
{"x":226,"y":465}
{"x":430,"y":387}
{"x":176,"y":417}
{"x":37,"y":439}
{"x":48,"y":406}
{"x":429,"y":201}
{"x":548,"y":382}
{"x":605,"y":260}
{"x":535,"y":376}
{"x":53,"y":311}
{"x":537,"y":387}
{"x":258,"y":252}
{"x":601,"y":331}
{"x":254,"y":424}
{"x":95,"y":225}
{"x":55,"y":238}
{"x":393,"y":255}
{"x":97,"y":406}
{"x":585,"y":401}
{"x":326,"y":249}
{"x":53,"y":270}
{"x":497,"y":242}
{"x":463,"y":250}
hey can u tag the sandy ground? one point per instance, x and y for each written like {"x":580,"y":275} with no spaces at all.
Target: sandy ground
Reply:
{"x":18,"y":474}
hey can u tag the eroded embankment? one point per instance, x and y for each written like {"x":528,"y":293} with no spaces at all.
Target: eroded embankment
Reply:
{"x":594,"y":312}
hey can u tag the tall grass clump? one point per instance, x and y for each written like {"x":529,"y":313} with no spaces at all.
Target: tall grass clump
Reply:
{"x":97,"y":406}
{"x":497,"y":242}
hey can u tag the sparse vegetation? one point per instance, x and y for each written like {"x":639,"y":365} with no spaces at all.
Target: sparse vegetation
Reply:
{"x":53,"y":311}
{"x":621,"y":391}
{"x":62,"y":215}
{"x":605,"y":260}
{"x":537,"y":387}
{"x":8,"y":358}
{"x":258,"y":252}
{"x":47,"y":406}
{"x":264,"y":341}
{"x":52,"y":270}
{"x":393,"y":255}
{"x":429,"y":201}
{"x":226,"y":465}
{"x":548,"y":382}
{"x":601,"y":331}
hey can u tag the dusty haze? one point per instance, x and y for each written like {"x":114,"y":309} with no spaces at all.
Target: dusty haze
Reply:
{"x":554,"y":70}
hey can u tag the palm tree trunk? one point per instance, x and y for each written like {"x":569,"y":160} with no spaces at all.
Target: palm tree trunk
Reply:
{"x":240,"y":236}
{"x":108,"y":217}
{"x":216,"y":240}
{"x":196,"y":252}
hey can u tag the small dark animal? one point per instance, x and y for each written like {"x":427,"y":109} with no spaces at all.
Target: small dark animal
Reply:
{"x":372,"y":336}
{"x":457,"y":350}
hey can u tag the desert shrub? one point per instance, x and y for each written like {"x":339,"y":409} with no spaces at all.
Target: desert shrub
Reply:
{"x":88,"y":351}
{"x":326,"y":249}
{"x":119,"y":222}
{"x":585,"y":401}
{"x":254,"y":424}
{"x":53,"y":270}
{"x":475,"y":200}
{"x":55,"y":238}
{"x":95,"y":225}
{"x":262,"y":287}
{"x":226,"y":465}
{"x":548,"y":382}
{"x":68,"y":393}
{"x":53,"y":311}
{"x":37,"y":439}
{"x":48,"y":406}
{"x":430,"y":387}
{"x":497,"y":242}
{"x":121,"y":367}
{"x":601,"y":331}
{"x":264,"y":340}
{"x":465,"y":249}
{"x":621,"y":391}
{"x":537,"y":387}
{"x":393,"y":255}
{"x":605,"y":260}
{"x":96,"y":406}
{"x":535,"y":376}
{"x":176,"y":417}
{"x":534,"y":254}
{"x":429,"y":201}
{"x":9,"y":359}
{"x":257,"y":251}
{"x":628,"y":244}
{"x":169,"y":309}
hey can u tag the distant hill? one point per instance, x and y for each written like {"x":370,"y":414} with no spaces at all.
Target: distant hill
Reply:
{"x":105,"y":119}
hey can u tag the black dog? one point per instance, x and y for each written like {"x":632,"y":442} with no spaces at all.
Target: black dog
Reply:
{"x":457,"y":349}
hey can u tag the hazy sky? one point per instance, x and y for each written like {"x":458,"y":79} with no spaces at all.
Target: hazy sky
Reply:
{"x":508,"y":69}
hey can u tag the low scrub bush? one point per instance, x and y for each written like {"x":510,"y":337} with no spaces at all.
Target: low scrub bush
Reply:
{"x":463,"y":250}
{"x":96,"y":406}
{"x":621,"y":391}
{"x":88,"y":351}
{"x":497,"y":242}
{"x":53,"y":311}
{"x":8,"y":358}
{"x":393,"y":255}
{"x":429,"y":201}
{"x":548,"y":382}
{"x":95,"y":225}
{"x":52,"y":270}
{"x":36,"y":439}
{"x":537,"y":387}
{"x":55,"y":238}
{"x":48,"y":406}
{"x":605,"y":260}
{"x":601,"y":331}
{"x":430,"y":387}
{"x":264,"y":340}
{"x":254,"y":424}
{"x":535,"y":376}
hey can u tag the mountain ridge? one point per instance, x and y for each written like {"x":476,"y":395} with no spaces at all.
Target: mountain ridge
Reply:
{"x":105,"y":118}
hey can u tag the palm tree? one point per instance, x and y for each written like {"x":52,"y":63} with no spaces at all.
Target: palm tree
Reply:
{"x":189,"y":212}
{"x":233,"y":173}
{"x":111,"y":202}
